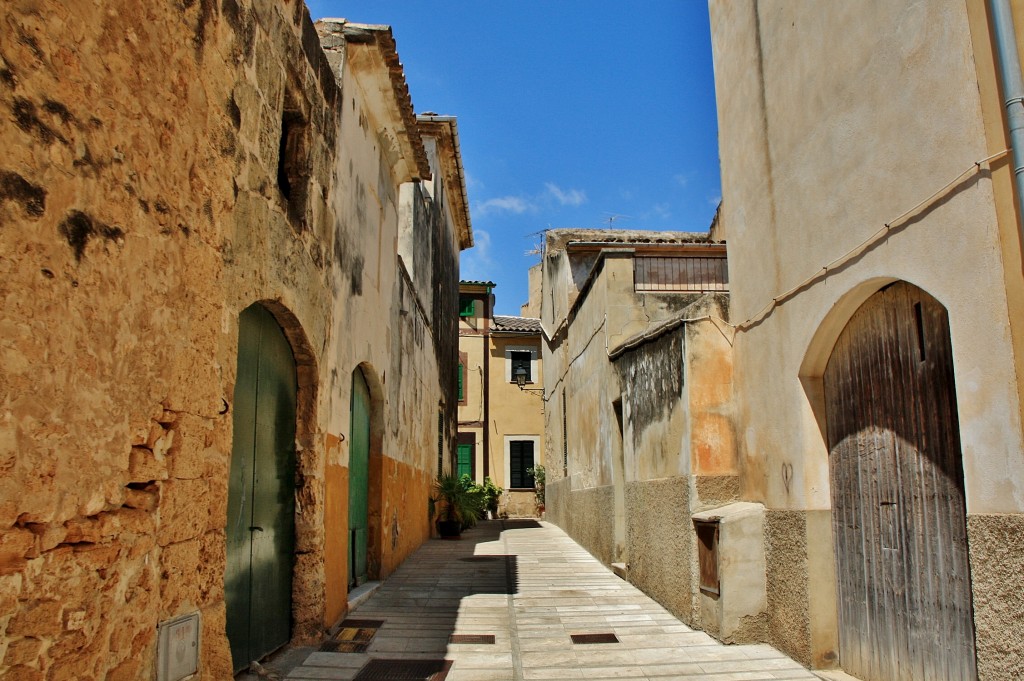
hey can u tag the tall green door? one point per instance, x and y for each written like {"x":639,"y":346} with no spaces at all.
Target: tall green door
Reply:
{"x":261,"y":492}
{"x":465,"y":461}
{"x":358,"y":480}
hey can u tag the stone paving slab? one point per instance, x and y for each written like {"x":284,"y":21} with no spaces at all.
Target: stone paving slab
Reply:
{"x":531,"y":586}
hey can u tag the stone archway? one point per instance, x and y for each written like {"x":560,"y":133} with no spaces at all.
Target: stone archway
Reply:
{"x":273,"y":423}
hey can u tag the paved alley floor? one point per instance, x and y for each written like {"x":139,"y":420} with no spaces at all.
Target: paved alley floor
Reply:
{"x":531,"y":588}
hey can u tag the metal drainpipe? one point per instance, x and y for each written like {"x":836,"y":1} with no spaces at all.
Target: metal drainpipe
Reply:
{"x":1008,"y":65}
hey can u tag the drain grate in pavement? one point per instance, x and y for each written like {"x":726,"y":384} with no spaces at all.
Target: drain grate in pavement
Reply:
{"x":483,"y":559}
{"x":351,"y":639}
{"x":404,"y":670}
{"x":471,"y":638}
{"x":362,"y":624}
{"x":593,"y":638}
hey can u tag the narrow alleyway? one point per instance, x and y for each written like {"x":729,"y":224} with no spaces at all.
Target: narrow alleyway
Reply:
{"x":531,"y":588}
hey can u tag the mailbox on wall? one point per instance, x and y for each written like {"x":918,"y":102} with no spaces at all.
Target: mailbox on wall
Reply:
{"x":177,"y":648}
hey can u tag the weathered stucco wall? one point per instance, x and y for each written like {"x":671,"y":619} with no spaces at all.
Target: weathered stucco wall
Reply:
{"x":143,"y":209}
{"x":647,"y":382}
{"x":825,"y":139}
{"x":662,"y":546}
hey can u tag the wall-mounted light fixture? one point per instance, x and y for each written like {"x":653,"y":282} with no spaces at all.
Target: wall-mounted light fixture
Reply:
{"x":519,"y":375}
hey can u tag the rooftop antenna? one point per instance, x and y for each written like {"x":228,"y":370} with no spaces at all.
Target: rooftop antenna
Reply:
{"x":538,"y":245}
{"x":612,"y":217}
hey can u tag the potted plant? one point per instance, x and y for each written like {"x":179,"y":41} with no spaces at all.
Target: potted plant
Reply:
{"x":492,"y":495}
{"x":458,"y":505}
{"x":539,"y":478}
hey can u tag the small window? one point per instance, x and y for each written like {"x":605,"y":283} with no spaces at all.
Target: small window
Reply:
{"x":520,"y":454}
{"x":521,"y":361}
{"x":707,"y":555}
{"x":467,"y":306}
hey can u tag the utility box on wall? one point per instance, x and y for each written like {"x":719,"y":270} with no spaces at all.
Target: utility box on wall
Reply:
{"x":177,"y":648}
{"x":730,"y":553}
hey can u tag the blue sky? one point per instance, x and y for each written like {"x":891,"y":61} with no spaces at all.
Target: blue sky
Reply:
{"x":572,"y":113}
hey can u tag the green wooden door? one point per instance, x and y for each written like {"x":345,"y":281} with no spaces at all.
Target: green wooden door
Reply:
{"x":358,"y":479}
{"x":465,"y":462}
{"x":261,"y":494}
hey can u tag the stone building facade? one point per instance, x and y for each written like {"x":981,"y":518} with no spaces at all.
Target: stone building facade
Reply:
{"x":639,"y":428}
{"x":876,"y":290}
{"x":171,"y":172}
{"x":500,"y":427}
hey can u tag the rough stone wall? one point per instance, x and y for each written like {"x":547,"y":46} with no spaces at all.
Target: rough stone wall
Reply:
{"x":996,"y":547}
{"x":585,"y":515}
{"x":662,"y":544}
{"x":143,"y":207}
{"x":520,"y":504}
{"x":556,"y":502}
{"x":785,"y":537}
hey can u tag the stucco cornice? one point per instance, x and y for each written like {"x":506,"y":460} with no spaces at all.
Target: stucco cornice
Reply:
{"x":445,"y":130}
{"x":372,"y":58}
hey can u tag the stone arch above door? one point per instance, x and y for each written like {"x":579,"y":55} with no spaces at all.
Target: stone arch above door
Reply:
{"x":307,"y":597}
{"x":897,"y":488}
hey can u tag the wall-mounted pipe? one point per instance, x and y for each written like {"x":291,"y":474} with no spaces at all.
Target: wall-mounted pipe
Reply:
{"x":1008,"y":65}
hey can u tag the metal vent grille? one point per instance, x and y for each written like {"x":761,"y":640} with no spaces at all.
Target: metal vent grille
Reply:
{"x":404,"y":670}
{"x":362,"y":624}
{"x":353,"y":637}
{"x":594,"y":638}
{"x":471,"y":638}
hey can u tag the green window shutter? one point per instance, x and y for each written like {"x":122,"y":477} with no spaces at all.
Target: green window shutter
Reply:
{"x":461,"y":391}
{"x":520,"y":453}
{"x":467,"y":306}
{"x":465,"y":464}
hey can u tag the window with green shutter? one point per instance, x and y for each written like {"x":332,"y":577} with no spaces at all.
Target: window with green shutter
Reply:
{"x":462,"y":394}
{"x":467,"y":306}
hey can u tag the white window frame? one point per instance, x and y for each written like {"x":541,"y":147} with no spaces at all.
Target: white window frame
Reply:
{"x":508,"y":455}
{"x":533,"y":350}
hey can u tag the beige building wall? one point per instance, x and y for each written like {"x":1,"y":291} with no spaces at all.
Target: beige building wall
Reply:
{"x":514,"y":415}
{"x":495,"y":411}
{"x":835,"y":120}
{"x":143,"y":210}
{"x":471,"y":416}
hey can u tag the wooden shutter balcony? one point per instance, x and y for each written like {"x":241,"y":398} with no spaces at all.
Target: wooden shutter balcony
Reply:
{"x":681,"y":274}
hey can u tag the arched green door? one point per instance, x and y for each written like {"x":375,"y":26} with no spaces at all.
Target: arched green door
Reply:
{"x":261,"y":492}
{"x":358,"y":480}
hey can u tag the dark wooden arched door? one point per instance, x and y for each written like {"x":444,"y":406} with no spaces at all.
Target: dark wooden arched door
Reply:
{"x":899,"y":517}
{"x":261,"y":491}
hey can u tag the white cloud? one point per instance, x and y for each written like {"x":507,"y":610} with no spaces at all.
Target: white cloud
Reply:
{"x":715,"y":200}
{"x":682,"y":179}
{"x":476,"y":263}
{"x":571,"y":197}
{"x":658,"y":210}
{"x":512,"y":204}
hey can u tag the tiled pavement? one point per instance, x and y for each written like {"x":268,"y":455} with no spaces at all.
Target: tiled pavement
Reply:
{"x":531,"y":587}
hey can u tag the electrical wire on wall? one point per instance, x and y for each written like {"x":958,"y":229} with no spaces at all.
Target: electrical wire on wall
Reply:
{"x":883,"y":231}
